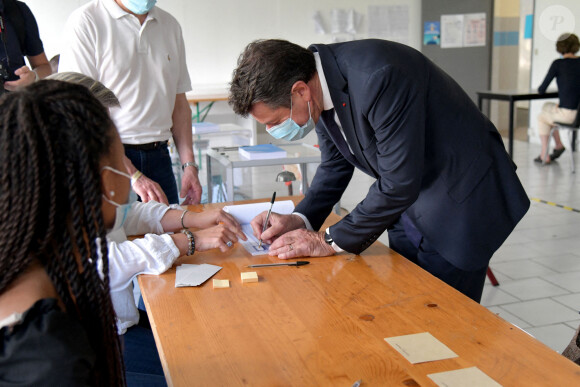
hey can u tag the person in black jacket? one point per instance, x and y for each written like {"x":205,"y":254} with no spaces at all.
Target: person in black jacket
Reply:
{"x":567,"y":73}
{"x":445,"y":187}
{"x":19,"y":38}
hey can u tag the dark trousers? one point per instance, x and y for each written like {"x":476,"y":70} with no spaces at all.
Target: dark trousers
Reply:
{"x":142,"y":363}
{"x":156,"y":165}
{"x":407,"y":241}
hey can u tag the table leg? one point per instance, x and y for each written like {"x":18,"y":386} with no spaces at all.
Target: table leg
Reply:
{"x":209,"y":179}
{"x":230,"y":183}
{"x":479,"y":101}
{"x":304,"y":173}
{"x":511,"y":130}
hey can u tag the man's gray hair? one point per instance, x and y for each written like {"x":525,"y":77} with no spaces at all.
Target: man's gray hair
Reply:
{"x":100,"y":91}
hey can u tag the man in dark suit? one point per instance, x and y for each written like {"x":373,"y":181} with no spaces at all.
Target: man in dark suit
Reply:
{"x":446,"y":188}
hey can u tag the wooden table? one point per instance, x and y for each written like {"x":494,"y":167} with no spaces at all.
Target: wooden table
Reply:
{"x":324,"y":324}
{"x":209,"y":95}
{"x":512,"y":96}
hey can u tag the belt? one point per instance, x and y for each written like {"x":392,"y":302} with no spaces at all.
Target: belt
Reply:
{"x":149,"y":146}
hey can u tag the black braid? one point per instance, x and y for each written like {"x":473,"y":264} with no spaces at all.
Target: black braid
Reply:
{"x":52,"y":138}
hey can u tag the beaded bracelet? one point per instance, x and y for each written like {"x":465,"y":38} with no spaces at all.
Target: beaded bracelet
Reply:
{"x":182,"y":216}
{"x":191,"y":240}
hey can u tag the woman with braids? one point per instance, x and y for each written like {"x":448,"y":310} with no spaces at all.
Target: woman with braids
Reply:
{"x":56,"y":316}
{"x":153,"y":254}
{"x":58,"y":130}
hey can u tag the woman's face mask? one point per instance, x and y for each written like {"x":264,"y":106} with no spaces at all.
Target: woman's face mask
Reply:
{"x":122,"y":209}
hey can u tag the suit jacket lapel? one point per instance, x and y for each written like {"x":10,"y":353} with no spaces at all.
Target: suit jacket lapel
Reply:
{"x":338,"y":87}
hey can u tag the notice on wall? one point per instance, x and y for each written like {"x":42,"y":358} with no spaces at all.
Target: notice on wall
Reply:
{"x":389,"y":22}
{"x":432,"y":33}
{"x":451,"y":31}
{"x":474,"y":30}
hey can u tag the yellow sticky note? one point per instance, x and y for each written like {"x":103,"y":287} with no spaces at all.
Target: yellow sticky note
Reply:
{"x":220,"y":284}
{"x":250,"y":276}
{"x":420,"y":347}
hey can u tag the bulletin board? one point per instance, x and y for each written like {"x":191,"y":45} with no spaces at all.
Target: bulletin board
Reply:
{"x":457,"y":36}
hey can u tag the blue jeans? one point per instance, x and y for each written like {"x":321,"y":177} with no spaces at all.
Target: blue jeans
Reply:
{"x":406,"y":240}
{"x":142,"y":363}
{"x":156,"y":165}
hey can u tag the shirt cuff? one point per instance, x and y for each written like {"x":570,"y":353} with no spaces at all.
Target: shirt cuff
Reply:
{"x":306,"y":222}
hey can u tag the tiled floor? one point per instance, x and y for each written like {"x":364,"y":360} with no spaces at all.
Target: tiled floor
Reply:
{"x":538,"y":267}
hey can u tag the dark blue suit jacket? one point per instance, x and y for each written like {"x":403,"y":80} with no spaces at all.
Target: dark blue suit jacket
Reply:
{"x":434,"y":154}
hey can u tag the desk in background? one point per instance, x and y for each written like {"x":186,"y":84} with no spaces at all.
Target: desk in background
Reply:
{"x":230,"y":159}
{"x":512,"y":96}
{"x":209,"y":95}
{"x":324,"y":324}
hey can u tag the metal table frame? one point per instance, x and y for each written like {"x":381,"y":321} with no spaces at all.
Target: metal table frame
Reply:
{"x":512,"y":96}
{"x":221,"y":155}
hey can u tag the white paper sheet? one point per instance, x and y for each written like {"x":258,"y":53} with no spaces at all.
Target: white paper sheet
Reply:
{"x":244,"y":213}
{"x":194,"y":275}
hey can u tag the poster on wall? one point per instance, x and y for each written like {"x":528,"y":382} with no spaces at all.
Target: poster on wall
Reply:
{"x":389,"y":22}
{"x":432,"y":33}
{"x":474,"y":30}
{"x":451,"y":31}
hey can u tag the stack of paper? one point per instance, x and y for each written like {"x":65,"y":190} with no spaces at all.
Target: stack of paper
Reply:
{"x":204,"y":127}
{"x":262,"y":152}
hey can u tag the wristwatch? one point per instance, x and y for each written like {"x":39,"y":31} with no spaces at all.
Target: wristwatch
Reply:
{"x":328,"y":239}
{"x":189,"y":164}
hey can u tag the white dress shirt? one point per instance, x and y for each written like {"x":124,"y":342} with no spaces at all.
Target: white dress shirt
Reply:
{"x":153,"y":254}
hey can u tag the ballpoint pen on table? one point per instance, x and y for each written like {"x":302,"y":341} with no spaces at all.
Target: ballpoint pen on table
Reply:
{"x":297,"y":263}
{"x":267,"y":217}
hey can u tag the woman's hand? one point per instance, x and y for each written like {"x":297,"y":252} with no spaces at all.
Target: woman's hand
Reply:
{"x":218,"y":236}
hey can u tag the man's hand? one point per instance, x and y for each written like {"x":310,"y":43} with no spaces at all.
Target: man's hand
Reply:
{"x":148,"y":190}
{"x":27,"y":76}
{"x":301,"y":243}
{"x":278,"y":225}
{"x":190,"y":186}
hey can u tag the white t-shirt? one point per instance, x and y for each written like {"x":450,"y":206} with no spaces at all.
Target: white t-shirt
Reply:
{"x":144,"y":65}
{"x":153,"y":254}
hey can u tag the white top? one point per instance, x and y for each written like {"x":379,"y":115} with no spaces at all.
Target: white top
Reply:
{"x":153,"y":254}
{"x":144,"y":65}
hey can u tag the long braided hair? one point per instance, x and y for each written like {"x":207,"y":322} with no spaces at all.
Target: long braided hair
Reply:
{"x":52,"y":137}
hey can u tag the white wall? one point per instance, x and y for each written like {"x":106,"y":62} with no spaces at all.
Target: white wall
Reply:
{"x":544,"y":45}
{"x":216,"y":31}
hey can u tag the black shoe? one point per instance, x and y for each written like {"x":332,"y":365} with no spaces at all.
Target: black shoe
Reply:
{"x":539,"y":160}
{"x":556,"y":153}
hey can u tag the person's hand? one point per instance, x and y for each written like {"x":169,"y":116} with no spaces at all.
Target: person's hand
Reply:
{"x":277,"y":225}
{"x":301,"y":243}
{"x":27,"y":76}
{"x":209,"y":218}
{"x":148,"y":190}
{"x":190,"y":186}
{"x":214,"y":237}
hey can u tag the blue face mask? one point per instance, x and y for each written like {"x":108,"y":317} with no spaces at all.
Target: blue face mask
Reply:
{"x":122,"y":209}
{"x":290,"y":130}
{"x":139,"y":7}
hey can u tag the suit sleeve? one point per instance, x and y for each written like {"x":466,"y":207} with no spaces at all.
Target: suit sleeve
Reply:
{"x":329,"y":182}
{"x":394,"y":106}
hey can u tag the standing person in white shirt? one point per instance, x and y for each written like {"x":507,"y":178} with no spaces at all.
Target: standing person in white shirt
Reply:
{"x":136,"y":49}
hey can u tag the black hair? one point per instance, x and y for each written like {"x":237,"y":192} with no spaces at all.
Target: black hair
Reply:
{"x":53,"y":135}
{"x":266,"y":71}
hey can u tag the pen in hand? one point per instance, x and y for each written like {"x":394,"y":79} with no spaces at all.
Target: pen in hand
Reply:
{"x":267,"y":218}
